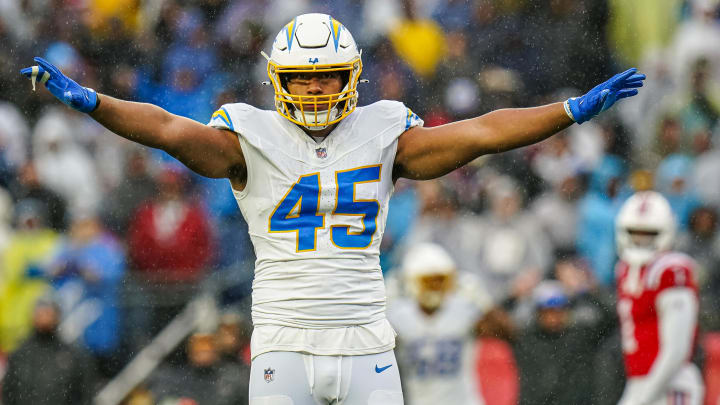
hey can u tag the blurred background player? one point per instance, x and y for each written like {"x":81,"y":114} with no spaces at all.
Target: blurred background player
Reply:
{"x":436,"y":322}
{"x":657,"y":305}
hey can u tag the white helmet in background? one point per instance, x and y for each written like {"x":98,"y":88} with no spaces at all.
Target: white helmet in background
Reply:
{"x":429,"y":273}
{"x":314,"y":43}
{"x":644,"y":226}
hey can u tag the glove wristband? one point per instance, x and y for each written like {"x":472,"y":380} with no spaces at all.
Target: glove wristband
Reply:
{"x":566,"y":104}
{"x":97,"y":101}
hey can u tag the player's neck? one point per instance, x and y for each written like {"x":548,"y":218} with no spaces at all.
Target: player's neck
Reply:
{"x":322,"y":133}
{"x":429,"y":311}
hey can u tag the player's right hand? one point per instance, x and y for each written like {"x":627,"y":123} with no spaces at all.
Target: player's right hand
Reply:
{"x":81,"y":98}
{"x":604,"y":95}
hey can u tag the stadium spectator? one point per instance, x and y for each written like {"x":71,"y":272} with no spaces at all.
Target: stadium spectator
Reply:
{"x":108,"y":17}
{"x":705,"y":173}
{"x":671,"y":139}
{"x":694,"y":38}
{"x":512,"y":243}
{"x":553,"y":351}
{"x":6,"y":214}
{"x":169,"y":239}
{"x":639,"y":27}
{"x":136,"y":188}
{"x":403,"y":210}
{"x":169,"y":243}
{"x":702,"y":242}
{"x":440,"y":221}
{"x":591,"y":308}
{"x":203,"y":380}
{"x":27,"y":186}
{"x":44,"y":370}
{"x":86,"y":273}
{"x":14,"y":133}
{"x":21,"y":272}
{"x":557,"y":211}
{"x":419,"y":41}
{"x":456,"y":78}
{"x":62,"y":164}
{"x":233,"y":339}
{"x":555,"y":160}
{"x":189,"y":87}
{"x":699,"y":107}
{"x":673,"y":180}
{"x":561,"y":22}
{"x":596,"y":212}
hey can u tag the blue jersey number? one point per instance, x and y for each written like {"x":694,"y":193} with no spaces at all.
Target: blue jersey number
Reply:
{"x":429,"y":357}
{"x":298,"y":211}
{"x":347,"y":205}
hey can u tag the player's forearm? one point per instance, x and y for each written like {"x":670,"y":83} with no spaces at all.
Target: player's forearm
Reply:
{"x":507,"y":129}
{"x":428,"y":153}
{"x":139,"y":122}
{"x":677,"y":312}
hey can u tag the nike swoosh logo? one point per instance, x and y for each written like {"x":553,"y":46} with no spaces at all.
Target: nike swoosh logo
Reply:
{"x":381,"y":369}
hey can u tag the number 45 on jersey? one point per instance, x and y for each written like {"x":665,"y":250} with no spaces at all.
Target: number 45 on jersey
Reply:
{"x":298,"y":210}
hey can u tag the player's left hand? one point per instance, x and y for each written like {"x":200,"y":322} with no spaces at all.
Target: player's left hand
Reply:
{"x":604,"y":95}
{"x":81,"y":98}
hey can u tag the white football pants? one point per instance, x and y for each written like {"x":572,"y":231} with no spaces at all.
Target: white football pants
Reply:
{"x":291,"y":378}
{"x":685,"y":388}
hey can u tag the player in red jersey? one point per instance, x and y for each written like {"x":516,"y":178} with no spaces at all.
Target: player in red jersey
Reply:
{"x":657,"y":304}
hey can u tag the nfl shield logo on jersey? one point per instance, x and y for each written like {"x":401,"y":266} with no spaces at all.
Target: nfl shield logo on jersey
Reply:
{"x":321,"y":153}
{"x":269,"y":375}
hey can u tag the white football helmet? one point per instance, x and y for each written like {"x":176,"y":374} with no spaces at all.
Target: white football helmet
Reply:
{"x":644,"y":226}
{"x":429,"y":274}
{"x":313,"y":43}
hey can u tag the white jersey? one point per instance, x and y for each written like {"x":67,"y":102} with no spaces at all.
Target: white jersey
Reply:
{"x":437,"y":352}
{"x":316,"y":214}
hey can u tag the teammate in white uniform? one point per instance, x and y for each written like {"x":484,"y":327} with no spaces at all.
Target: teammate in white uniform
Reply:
{"x":435,"y":323}
{"x":657,"y":305}
{"x":313,"y":179}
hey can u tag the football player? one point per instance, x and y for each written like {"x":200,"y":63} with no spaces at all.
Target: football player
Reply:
{"x":313,"y":178}
{"x":435,"y":321}
{"x":657,"y":306}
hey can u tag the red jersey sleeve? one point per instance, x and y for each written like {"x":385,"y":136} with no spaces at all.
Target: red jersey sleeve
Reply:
{"x":676,"y":276}
{"x":672,"y":270}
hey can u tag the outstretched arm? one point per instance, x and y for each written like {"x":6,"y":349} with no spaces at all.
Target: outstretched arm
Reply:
{"x":426,"y":153}
{"x":208,"y":151}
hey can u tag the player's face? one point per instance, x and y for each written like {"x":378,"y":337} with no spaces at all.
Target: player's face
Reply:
{"x":643,"y":239}
{"x":553,"y":319}
{"x":436,"y":282}
{"x":433,"y":289}
{"x":315,"y":84}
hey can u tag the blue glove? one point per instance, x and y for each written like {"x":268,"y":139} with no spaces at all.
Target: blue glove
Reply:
{"x":604,"y":95}
{"x":83,"y":99}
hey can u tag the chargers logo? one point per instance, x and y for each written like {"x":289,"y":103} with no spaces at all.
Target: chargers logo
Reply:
{"x":269,"y":375}
{"x":313,"y":60}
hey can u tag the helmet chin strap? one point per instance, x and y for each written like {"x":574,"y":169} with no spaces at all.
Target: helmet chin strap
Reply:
{"x":310,"y":117}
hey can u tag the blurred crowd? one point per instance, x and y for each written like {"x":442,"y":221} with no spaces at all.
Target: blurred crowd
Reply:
{"x":116,"y":238}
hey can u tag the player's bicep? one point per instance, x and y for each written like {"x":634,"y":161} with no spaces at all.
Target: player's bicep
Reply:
{"x":427,"y":153}
{"x":208,"y":151}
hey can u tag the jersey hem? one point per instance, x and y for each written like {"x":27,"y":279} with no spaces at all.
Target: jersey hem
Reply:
{"x":325,"y":352}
